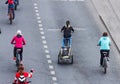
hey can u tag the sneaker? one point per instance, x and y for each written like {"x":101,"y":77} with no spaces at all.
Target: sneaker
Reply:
{"x":14,"y":58}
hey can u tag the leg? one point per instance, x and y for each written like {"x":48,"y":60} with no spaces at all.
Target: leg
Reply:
{"x":21,"y":56}
{"x":70,"y":41}
{"x":63,"y":42}
{"x":13,"y":13}
{"x":101,"y":59}
{"x":14,"y":51}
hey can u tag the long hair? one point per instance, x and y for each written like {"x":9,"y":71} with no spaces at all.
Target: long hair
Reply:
{"x":21,"y":69}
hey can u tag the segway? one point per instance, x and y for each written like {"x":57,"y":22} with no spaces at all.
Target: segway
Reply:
{"x":65,"y":54}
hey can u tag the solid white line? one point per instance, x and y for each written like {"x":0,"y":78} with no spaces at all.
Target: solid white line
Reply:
{"x":55,"y":83}
{"x":42,"y":32}
{"x":51,"y":67}
{"x":52,"y":72}
{"x":54,"y":78}
{"x":49,"y":61}
{"x":48,"y":56}
{"x":45,"y":46}
{"x":44,"y":41}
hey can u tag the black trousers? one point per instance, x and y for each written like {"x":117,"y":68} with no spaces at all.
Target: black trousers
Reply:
{"x":15,"y":50}
{"x":102,"y":55}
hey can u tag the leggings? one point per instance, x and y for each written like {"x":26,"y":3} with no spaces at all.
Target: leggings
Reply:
{"x":15,"y":50}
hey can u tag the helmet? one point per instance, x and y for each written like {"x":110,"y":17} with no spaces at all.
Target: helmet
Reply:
{"x":21,"y":79}
{"x":19,"y":32}
{"x":67,"y":22}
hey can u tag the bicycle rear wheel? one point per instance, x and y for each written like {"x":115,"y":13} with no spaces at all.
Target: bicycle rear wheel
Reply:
{"x":105,"y":65}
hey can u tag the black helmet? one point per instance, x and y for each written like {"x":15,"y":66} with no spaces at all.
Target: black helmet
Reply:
{"x":67,"y":22}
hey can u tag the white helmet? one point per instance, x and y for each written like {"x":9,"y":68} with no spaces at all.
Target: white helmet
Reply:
{"x":19,"y":32}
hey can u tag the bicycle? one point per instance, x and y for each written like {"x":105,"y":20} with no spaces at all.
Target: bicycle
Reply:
{"x":65,"y":54}
{"x":105,"y":64}
{"x":10,"y":15}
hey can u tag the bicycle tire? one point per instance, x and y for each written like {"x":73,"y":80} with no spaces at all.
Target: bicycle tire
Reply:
{"x":105,"y":64}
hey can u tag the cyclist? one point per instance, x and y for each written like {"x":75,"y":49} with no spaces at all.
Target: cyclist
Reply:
{"x":21,"y":76}
{"x":67,"y":33}
{"x":104,"y":43}
{"x":18,"y":41}
{"x":11,"y":4}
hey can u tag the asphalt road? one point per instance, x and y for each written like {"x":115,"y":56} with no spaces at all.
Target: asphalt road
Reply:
{"x":53,"y":14}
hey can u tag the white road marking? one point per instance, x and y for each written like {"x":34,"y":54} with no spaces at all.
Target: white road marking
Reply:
{"x":35,"y":4}
{"x":51,"y":67}
{"x":40,"y":28}
{"x":37,"y":14}
{"x":54,"y":78}
{"x":49,"y":61}
{"x":42,"y":32}
{"x":48,"y":56}
{"x":43,"y":37}
{"x":44,"y":41}
{"x":36,"y":7}
{"x":45,"y":46}
{"x":36,"y":11}
{"x":70,"y":0}
{"x":39,"y":21}
{"x":78,"y":29}
{"x":52,"y":72}
{"x":46,"y":51}
{"x":40,"y":25}
{"x":38,"y":18}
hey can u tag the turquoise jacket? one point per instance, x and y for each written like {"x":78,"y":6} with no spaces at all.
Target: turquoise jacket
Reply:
{"x":104,"y":43}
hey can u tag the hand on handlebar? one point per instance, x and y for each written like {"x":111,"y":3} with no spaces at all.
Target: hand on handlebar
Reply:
{"x":32,"y":70}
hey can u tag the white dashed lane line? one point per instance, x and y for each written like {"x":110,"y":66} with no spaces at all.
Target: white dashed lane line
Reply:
{"x":47,"y":52}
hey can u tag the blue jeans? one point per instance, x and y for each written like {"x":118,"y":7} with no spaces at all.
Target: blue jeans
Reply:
{"x":69,"y":41}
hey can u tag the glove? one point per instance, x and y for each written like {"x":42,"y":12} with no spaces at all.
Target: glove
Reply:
{"x":31,"y":70}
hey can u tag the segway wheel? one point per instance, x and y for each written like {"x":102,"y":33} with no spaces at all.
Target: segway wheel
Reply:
{"x":71,"y":59}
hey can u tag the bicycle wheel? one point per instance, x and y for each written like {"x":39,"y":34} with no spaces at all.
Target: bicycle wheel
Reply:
{"x":105,"y":64}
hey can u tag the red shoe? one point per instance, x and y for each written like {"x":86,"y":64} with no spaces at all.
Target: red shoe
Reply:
{"x":14,"y":58}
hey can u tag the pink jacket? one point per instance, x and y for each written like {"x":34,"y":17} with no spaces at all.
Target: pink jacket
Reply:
{"x":19,"y":41}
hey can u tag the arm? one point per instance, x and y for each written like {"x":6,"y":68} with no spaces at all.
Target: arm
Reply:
{"x":62,"y":29}
{"x":12,"y":41}
{"x":6,"y":2}
{"x":72,"y":29}
{"x":24,"y":43}
{"x":30,"y":74}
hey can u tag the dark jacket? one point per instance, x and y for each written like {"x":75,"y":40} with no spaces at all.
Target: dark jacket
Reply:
{"x":67,"y":31}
